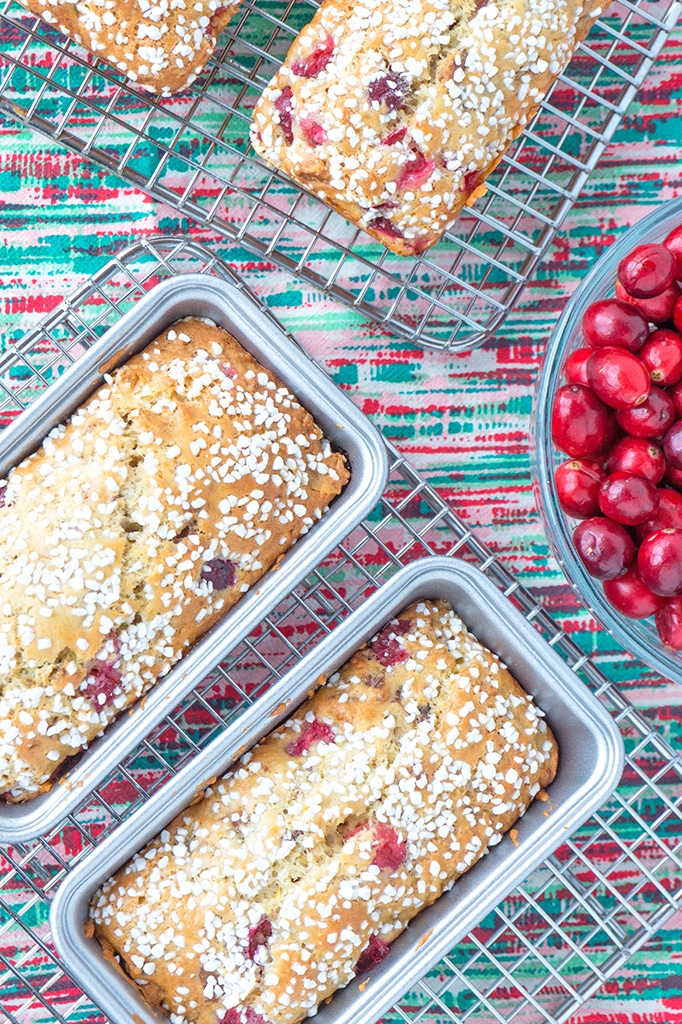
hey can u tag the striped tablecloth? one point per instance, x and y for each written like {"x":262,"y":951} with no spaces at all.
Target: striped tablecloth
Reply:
{"x":462,"y":420}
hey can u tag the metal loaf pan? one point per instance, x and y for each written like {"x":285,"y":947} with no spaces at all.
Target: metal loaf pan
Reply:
{"x":343,"y":424}
{"x":590,"y":765}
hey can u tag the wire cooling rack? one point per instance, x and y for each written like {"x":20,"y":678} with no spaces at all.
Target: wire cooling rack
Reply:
{"x":192,"y":152}
{"x":546,"y":948}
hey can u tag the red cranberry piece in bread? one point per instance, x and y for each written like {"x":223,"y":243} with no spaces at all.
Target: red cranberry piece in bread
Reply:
{"x":373,"y":953}
{"x":386,"y":648}
{"x":316,"y":61}
{"x":285,"y":108}
{"x":103,"y":677}
{"x":312,"y":732}
{"x":258,"y":936}
{"x":219,"y":572}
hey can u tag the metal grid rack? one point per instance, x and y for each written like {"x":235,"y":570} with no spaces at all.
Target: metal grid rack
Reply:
{"x":193,"y":153}
{"x":542,"y":952}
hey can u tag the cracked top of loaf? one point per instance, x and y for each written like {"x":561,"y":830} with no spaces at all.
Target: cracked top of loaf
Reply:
{"x":135,"y":527}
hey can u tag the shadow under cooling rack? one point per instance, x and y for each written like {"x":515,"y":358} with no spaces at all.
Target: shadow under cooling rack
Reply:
{"x":192,"y":152}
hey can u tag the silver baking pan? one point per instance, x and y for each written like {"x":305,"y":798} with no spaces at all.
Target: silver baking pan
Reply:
{"x":590,"y":765}
{"x":343,"y":424}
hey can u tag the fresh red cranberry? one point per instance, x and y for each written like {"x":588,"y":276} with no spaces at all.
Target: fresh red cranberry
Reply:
{"x":315,"y":134}
{"x":415,"y":171}
{"x":577,"y":483}
{"x":672,"y":445}
{"x":649,"y":419}
{"x":472,"y":180}
{"x":605,"y":548}
{"x":373,"y":953}
{"x":284,"y":105}
{"x":581,"y":423}
{"x":575,"y":367}
{"x":662,"y":356}
{"x":219,"y":572}
{"x":397,"y":135}
{"x":628,"y":499}
{"x":258,"y":936}
{"x":658,"y":310}
{"x":614,"y":323}
{"x":316,"y":61}
{"x":637,"y":455}
{"x":389,"y":89}
{"x":618,"y":377}
{"x":677,"y":315}
{"x":673,"y":477}
{"x":103,"y":676}
{"x":673,"y":242}
{"x":669,"y":623}
{"x":675,"y":393}
{"x":312,"y":732}
{"x":647,"y":271}
{"x":659,"y":561}
{"x":631,"y":597}
{"x":668,"y":515}
{"x":613,"y":435}
{"x":386,"y":648}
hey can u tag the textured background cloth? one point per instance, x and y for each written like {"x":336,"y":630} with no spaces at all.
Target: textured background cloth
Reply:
{"x":462,"y":420}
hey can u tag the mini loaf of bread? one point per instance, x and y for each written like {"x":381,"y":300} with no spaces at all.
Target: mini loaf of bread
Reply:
{"x":161,"y":47}
{"x":135,"y":527}
{"x":395,"y":111}
{"x":300,"y":866}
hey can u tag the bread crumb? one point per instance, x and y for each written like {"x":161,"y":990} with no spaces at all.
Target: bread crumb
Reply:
{"x":424,"y":939}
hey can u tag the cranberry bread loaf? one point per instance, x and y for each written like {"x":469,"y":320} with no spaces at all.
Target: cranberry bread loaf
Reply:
{"x":135,"y":527}
{"x":395,"y":111}
{"x":300,"y":866}
{"x":161,"y":47}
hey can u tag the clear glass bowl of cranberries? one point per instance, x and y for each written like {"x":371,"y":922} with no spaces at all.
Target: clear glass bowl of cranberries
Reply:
{"x":608,"y":433}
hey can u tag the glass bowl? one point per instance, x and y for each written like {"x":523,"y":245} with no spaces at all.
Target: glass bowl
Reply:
{"x":639,"y":636}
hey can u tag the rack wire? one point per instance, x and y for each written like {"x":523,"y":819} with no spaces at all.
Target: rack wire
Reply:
{"x":546,"y":948}
{"x":192,"y":152}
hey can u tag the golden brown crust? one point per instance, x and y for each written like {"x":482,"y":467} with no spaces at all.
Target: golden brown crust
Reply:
{"x":395,"y":111}
{"x":313,"y":853}
{"x":136,"y":527}
{"x":161,"y":48}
